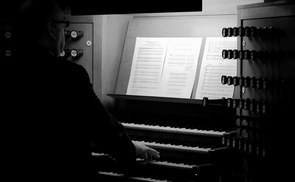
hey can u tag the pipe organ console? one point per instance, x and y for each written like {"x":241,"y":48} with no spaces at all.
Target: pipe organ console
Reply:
{"x":247,"y":138}
{"x":189,"y":134}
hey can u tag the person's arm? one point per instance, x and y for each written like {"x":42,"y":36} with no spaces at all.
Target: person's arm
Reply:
{"x":104,"y":129}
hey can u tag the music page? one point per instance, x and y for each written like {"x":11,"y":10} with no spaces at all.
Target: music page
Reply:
{"x":180,"y":67}
{"x":147,"y":65}
{"x":213,"y":66}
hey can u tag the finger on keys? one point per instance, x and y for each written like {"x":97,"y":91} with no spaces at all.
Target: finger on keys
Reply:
{"x":153,"y":153}
{"x":146,"y":152}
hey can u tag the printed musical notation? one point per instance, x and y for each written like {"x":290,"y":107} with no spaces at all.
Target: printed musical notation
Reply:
{"x":147,"y":66}
{"x":211,"y":85}
{"x":164,"y":67}
{"x":213,"y":67}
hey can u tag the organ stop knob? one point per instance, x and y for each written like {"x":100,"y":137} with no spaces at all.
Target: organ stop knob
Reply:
{"x":75,"y":53}
{"x":76,"y":34}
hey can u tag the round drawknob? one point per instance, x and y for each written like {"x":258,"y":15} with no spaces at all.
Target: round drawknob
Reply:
{"x":235,"y":81}
{"x":242,"y":81}
{"x":8,"y":53}
{"x":224,"y":32}
{"x":235,"y":54}
{"x":76,"y":34}
{"x":75,"y":53}
{"x":224,"y":79}
{"x":241,"y":55}
{"x":241,"y":31}
{"x":235,"y":31}
{"x":224,"y":54}
{"x":247,"y":31}
{"x":7,"y":35}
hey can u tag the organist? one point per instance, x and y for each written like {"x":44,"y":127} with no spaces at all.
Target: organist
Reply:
{"x":52,"y":114}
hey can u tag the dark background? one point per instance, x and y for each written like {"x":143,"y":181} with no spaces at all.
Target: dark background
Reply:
{"x":92,"y":7}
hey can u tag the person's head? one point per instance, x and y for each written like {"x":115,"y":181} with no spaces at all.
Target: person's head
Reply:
{"x":41,"y":22}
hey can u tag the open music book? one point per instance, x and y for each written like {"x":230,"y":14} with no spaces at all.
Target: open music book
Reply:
{"x":164,"y":67}
{"x":167,"y":67}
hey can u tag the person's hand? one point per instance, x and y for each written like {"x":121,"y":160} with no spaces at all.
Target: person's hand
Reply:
{"x":146,"y":152}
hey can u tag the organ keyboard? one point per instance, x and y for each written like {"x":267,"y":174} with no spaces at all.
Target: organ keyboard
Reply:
{"x":188,"y":135}
{"x":157,"y":128}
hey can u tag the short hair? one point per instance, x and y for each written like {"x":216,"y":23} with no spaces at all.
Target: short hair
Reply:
{"x":32,"y":16}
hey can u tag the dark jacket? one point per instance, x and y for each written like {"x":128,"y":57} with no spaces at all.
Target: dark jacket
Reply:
{"x":51,"y":116}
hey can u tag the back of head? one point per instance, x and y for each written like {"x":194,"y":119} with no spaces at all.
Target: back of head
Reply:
{"x":31,"y":18}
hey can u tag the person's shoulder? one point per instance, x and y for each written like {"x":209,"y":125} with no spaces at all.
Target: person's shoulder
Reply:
{"x":70,"y":67}
{"x":66,"y":63}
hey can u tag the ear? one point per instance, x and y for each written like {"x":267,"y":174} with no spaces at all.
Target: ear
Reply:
{"x":51,"y":30}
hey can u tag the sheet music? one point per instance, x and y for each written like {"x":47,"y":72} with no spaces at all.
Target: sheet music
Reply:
{"x":147,"y":66}
{"x":164,"y":67}
{"x":214,"y":66}
{"x":180,"y":67}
